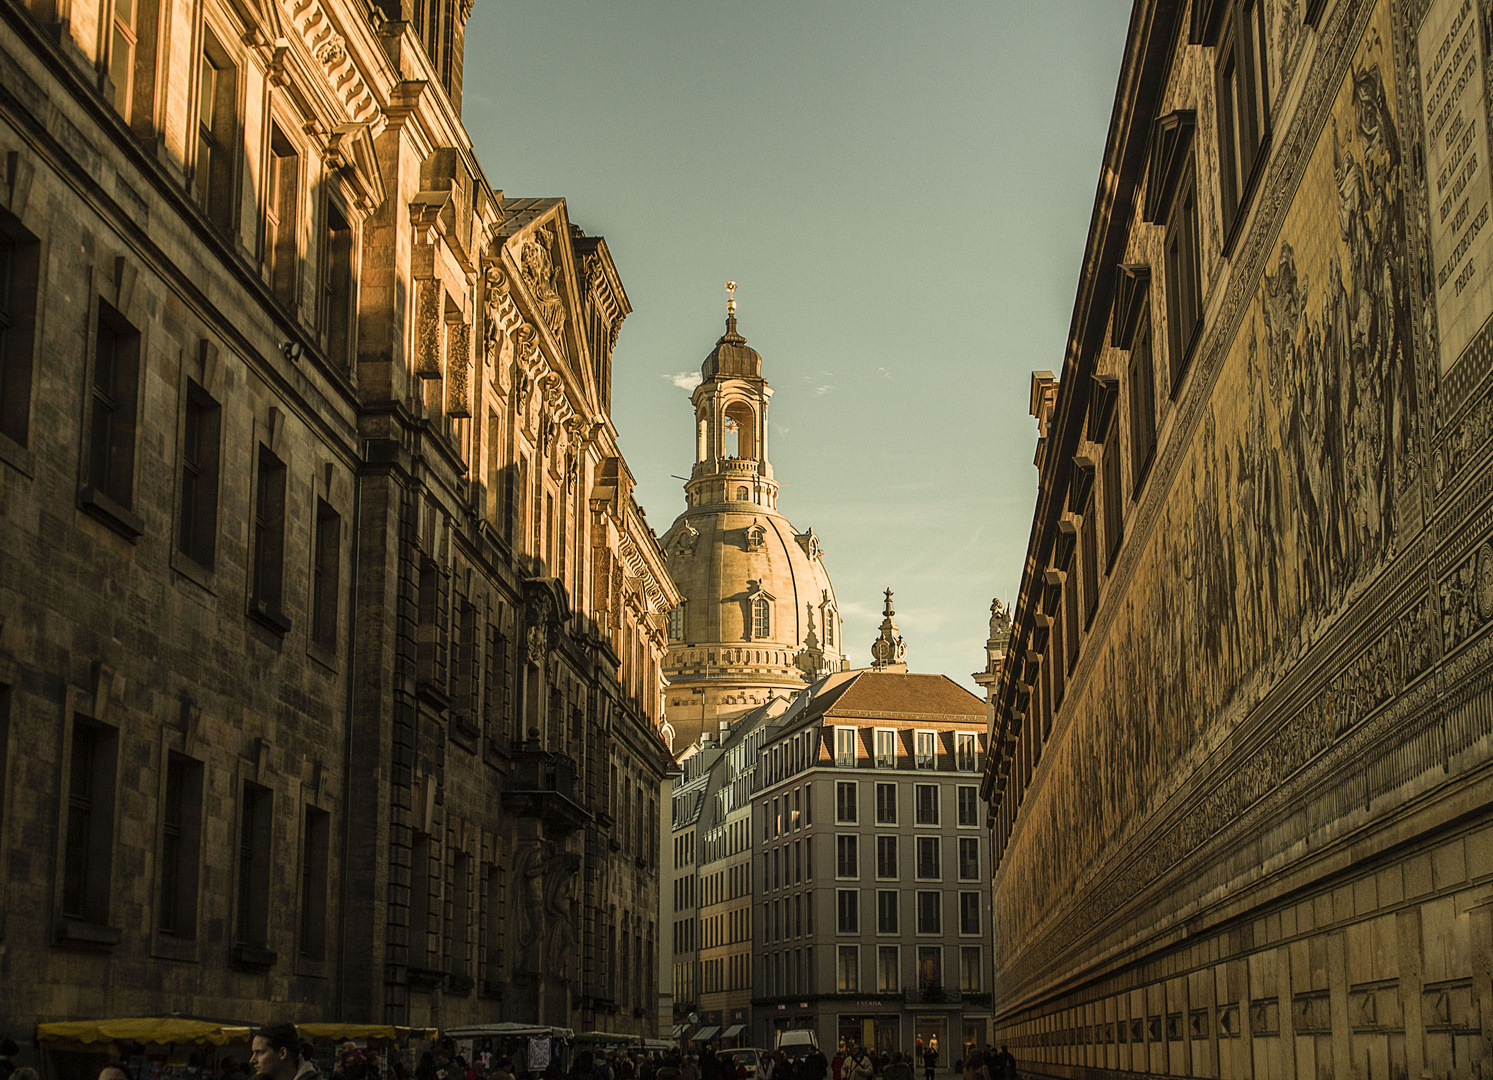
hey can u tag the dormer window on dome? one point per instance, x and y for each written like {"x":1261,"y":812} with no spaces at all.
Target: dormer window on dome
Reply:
{"x":759,"y":611}
{"x":755,"y":536}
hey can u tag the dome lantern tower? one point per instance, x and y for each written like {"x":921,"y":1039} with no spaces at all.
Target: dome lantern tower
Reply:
{"x":759,"y":617}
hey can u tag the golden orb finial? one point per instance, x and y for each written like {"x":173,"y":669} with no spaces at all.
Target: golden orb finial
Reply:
{"x":730,"y":298}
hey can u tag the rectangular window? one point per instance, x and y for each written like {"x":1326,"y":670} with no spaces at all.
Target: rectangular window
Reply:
{"x":181,"y":814}
{"x":88,"y":854}
{"x":1090,"y":557}
{"x":887,"y":911}
{"x":251,"y":929}
{"x":201,"y":447}
{"x":1070,"y":618}
{"x":969,"y":858}
{"x":20,"y":266}
{"x":216,"y":134}
{"x":886,"y":804}
{"x":1114,"y":503}
{"x":886,"y":969}
{"x":281,"y":220}
{"x":116,"y":379}
{"x":930,"y":967}
{"x":886,"y":857}
{"x":337,"y":287}
{"x":969,"y":913}
{"x":928,"y":868}
{"x":847,"y":911}
{"x":1243,"y":115}
{"x":808,"y":914}
{"x":269,"y":536}
{"x":676,"y":622}
{"x":925,"y":753}
{"x":964,"y":751}
{"x":848,"y":969}
{"x":969,"y":805}
{"x":969,"y":969}
{"x":326,"y":576}
{"x":845,"y":746}
{"x":1141,"y":389}
{"x":459,"y":931}
{"x":847,"y":856}
{"x":845,"y":802}
{"x":886,"y":749}
{"x":925,"y":804}
{"x":1184,"y":290}
{"x":122,"y":56}
{"x":419,"y":909}
{"x":314,"y":855}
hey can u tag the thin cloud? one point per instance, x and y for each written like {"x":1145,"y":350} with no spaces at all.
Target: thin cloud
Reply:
{"x":685,"y":380}
{"x":820,"y":391}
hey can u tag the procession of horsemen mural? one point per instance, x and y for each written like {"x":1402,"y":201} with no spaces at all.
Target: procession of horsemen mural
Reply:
{"x":1299,"y":482}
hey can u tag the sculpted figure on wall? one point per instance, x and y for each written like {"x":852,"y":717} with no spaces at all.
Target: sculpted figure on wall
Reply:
{"x":539,"y":275}
{"x":1282,"y":507}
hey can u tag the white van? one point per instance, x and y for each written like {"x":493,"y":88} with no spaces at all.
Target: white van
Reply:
{"x":797,"y":1042}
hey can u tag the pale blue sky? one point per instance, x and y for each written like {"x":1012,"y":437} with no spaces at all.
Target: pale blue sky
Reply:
{"x":902,"y":192}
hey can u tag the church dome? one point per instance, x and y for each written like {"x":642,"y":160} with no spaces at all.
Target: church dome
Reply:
{"x":759,"y":617}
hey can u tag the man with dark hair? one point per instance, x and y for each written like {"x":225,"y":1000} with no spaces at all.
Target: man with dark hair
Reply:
{"x":276,"y":1055}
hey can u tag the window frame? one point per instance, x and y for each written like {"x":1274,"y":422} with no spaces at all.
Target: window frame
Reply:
{"x":919,"y":818}
{"x":1140,"y":389}
{"x":920,"y":760}
{"x":933,"y":899}
{"x":919,"y":865}
{"x":888,"y":843}
{"x":965,"y":843}
{"x":842,"y":805}
{"x":110,"y":497}
{"x":1242,"y":147}
{"x":22,"y":267}
{"x":847,"y":854}
{"x":847,"y":911}
{"x":881,"y":789}
{"x":1182,"y":261}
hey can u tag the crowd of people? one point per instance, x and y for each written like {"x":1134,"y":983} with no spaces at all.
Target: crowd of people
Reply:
{"x":277,"y":1053}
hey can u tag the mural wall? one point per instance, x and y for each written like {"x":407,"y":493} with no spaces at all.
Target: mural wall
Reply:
{"x":1276,"y":588}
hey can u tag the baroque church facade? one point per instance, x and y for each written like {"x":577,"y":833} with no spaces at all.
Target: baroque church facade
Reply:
{"x":758,"y":617}
{"x":331,"y":656}
{"x":1239,"y":794}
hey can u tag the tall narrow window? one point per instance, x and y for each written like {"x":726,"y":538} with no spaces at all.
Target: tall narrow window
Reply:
{"x":886,"y":857}
{"x":886,"y":749}
{"x":886,"y":969}
{"x":886,"y":804}
{"x":844,"y":746}
{"x":181,"y":814}
{"x":1142,"y":392}
{"x":122,"y":56}
{"x":19,"y":266}
{"x":492,"y":941}
{"x":197,"y":537}
{"x":848,"y":962}
{"x":326,"y":576}
{"x":888,"y":903}
{"x":251,"y":931}
{"x":848,"y":911}
{"x":419,"y":913}
{"x":269,"y":539}
{"x":925,"y":804}
{"x":969,"y":968}
{"x":930,"y":912}
{"x":929,"y":864}
{"x":761,"y":618}
{"x":925,"y":744}
{"x":116,"y":378}
{"x":1114,"y":502}
{"x":964,"y":751}
{"x":1070,"y":618}
{"x":1184,"y":289}
{"x":847,"y":856}
{"x":1090,"y":557}
{"x":969,"y":804}
{"x":969,"y":913}
{"x":314,"y":855}
{"x":458,"y":964}
{"x":216,"y":137}
{"x":281,"y":251}
{"x":845,"y":802}
{"x":337,"y":287}
{"x":88,"y":855}
{"x":1243,"y":120}
{"x":676,"y":622}
{"x":969,"y":858}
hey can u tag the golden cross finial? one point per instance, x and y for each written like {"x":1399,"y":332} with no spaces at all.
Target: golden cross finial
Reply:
{"x":730,"y":298}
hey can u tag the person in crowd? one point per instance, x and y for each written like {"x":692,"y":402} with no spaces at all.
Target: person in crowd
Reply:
{"x":896,"y":1068}
{"x":815,"y":1067}
{"x":671,"y":1069}
{"x":837,"y":1063}
{"x":930,"y":1059}
{"x":276,"y":1054}
{"x":859,"y":1066}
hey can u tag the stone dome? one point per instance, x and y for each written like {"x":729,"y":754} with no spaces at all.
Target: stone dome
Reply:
{"x":759,"y":617}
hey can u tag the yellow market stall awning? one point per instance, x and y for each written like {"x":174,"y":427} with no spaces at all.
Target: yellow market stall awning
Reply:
{"x":344,"y":1032}
{"x":99,"y":1036}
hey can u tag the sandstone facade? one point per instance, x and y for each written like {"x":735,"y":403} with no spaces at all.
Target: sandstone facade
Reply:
{"x":330,"y":655}
{"x":1240,"y":803}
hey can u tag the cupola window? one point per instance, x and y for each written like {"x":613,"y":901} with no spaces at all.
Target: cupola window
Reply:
{"x":761,"y":618}
{"x":742,"y":495}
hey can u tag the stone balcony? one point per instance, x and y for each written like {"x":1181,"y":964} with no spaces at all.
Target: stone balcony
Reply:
{"x":542,"y":784}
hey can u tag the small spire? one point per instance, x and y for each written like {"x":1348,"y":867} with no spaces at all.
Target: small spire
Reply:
{"x":730,"y":307}
{"x":889,"y":650}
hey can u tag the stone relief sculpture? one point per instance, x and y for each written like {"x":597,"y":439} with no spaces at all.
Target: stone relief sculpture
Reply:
{"x":546,"y":936}
{"x":539,"y":275}
{"x":1282,"y":508}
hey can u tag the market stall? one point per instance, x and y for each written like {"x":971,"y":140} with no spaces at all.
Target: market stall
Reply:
{"x":530,"y":1046}
{"x":151,"y":1047}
